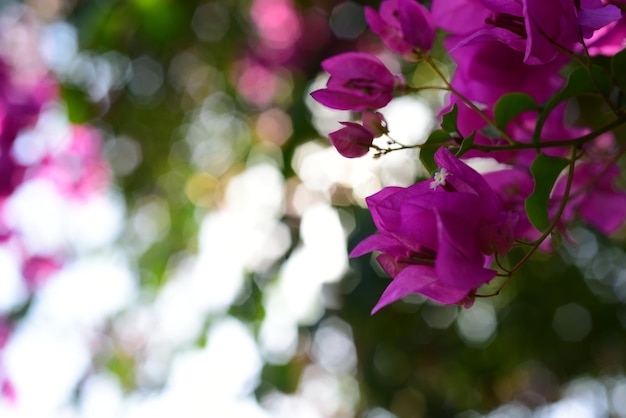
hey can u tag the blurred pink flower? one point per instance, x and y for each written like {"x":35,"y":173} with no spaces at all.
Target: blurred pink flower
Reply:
{"x":21,"y":101}
{"x":277,"y":22}
{"x":403,"y":25}
{"x":594,"y":196}
{"x":8,"y":390}
{"x":36,"y":270}
{"x":78,"y":169}
{"x":74,"y":165}
{"x":257,"y":83}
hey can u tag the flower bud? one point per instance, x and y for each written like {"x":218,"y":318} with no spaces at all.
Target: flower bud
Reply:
{"x":353,"y":140}
{"x":375,"y":123}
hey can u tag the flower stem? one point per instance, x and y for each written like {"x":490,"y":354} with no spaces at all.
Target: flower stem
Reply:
{"x":574,"y":142}
{"x":557,"y":217}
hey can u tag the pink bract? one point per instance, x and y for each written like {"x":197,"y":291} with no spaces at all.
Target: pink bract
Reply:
{"x":358,"y":81}
{"x":529,"y":26}
{"x":438,"y":236}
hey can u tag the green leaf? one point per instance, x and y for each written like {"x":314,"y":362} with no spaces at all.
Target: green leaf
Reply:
{"x":511,"y":105}
{"x":448,"y":121}
{"x":618,"y":67}
{"x":581,"y":81}
{"x":466,"y":145}
{"x":545,"y":171}
{"x":436,"y":139}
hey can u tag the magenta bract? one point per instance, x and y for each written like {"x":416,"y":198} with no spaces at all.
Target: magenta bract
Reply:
{"x":608,"y":40}
{"x":594,"y":15}
{"x":358,"y":81}
{"x":529,"y":26}
{"x":438,"y":236}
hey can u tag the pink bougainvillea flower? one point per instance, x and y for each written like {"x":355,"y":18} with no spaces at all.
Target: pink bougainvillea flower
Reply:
{"x":29,"y":152}
{"x":358,"y":81}
{"x":20,"y":105}
{"x":544,"y":30}
{"x":488,"y":70}
{"x":438,"y":237}
{"x":404,"y":25}
{"x":529,"y":26}
{"x":7,"y":389}
{"x":78,"y":169}
{"x":37,"y":269}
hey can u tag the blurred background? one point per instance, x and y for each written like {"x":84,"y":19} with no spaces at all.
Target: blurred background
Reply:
{"x":175,"y":230}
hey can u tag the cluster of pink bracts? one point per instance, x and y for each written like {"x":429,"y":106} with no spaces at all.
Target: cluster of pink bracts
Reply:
{"x":439,"y":237}
{"x":69,"y":158}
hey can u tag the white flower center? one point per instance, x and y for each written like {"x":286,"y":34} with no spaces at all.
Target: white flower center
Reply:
{"x":439,"y":179}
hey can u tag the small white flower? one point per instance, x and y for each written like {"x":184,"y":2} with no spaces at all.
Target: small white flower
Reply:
{"x":439,"y":179}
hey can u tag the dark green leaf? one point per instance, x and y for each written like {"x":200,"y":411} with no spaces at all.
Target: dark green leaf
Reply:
{"x":448,"y":120}
{"x":511,"y":105}
{"x":581,"y":81}
{"x":436,"y":139}
{"x":466,"y":145}
{"x":545,"y":171}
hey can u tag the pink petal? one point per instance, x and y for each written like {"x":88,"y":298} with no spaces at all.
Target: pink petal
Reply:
{"x":416,"y":24}
{"x":340,"y":100}
{"x":446,"y":15}
{"x":541,"y":23}
{"x":358,"y":65}
{"x":378,"y":242}
{"x":593,"y":19}
{"x":419,"y":279}
{"x":391,"y":36}
{"x":464,"y":178}
{"x":460,"y":262}
{"x":511,"y":7}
